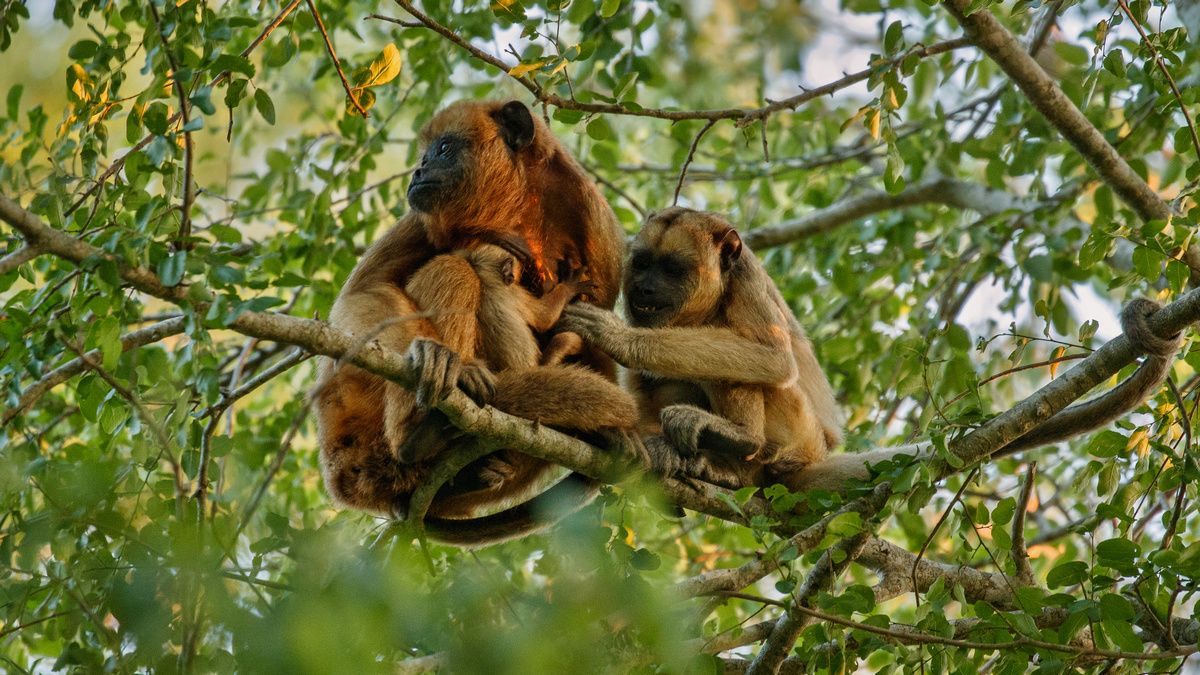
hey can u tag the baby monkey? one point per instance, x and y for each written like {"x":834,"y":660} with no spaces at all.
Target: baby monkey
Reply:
{"x":509,"y":319}
{"x":717,"y":360}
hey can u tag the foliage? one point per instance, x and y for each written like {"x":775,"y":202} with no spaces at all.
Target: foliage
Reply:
{"x":926,"y":313}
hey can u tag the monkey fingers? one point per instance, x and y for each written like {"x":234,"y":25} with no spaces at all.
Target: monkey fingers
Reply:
{"x":437,"y":369}
{"x":589,"y":321}
{"x":693,"y":430}
{"x":627,"y":448}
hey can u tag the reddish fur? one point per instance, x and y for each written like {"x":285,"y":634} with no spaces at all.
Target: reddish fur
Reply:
{"x":540,"y":194}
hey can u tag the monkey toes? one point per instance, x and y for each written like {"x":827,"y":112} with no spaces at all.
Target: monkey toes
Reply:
{"x":478,"y":382}
{"x":437,"y":369}
{"x":497,"y":471}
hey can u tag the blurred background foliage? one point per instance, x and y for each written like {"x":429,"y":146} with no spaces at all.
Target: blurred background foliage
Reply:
{"x":106,"y":562}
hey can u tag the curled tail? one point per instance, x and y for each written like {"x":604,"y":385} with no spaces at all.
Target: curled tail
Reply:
{"x":835,"y":470}
{"x":566,"y":497}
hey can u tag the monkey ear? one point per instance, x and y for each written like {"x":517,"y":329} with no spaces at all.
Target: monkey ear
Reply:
{"x":516,"y":125}
{"x":730,"y":245}
{"x":506,"y":271}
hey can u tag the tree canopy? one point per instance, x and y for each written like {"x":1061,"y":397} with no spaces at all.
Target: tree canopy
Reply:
{"x":955,"y":199}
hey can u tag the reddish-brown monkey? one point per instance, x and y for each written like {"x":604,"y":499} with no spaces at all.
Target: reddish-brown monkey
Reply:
{"x":490,"y":172}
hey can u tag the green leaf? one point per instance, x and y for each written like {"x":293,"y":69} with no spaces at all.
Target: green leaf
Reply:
{"x":845,"y":524}
{"x":1119,"y":554}
{"x":264,"y":105}
{"x":609,"y":8}
{"x":1067,"y":574}
{"x":644,"y":559}
{"x":171,"y":269}
{"x":1107,"y":443}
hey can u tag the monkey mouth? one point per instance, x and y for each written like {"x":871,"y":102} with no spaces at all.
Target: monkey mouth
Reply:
{"x":423,"y":194}
{"x":648,"y":315}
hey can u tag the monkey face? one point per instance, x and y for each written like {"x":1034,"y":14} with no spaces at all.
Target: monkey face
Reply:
{"x":441,"y":172}
{"x":678,"y":266}
{"x":657,"y":283}
{"x":467,"y":147}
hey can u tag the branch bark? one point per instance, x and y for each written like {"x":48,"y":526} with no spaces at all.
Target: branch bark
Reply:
{"x":986,"y":32}
{"x":947,"y":191}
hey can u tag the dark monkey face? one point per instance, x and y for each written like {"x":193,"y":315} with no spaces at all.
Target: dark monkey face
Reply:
{"x":656,"y":285}
{"x":678,"y":268}
{"x":466,"y":149}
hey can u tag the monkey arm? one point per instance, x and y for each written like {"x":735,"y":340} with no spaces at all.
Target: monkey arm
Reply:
{"x":546,"y":310}
{"x":694,"y":353}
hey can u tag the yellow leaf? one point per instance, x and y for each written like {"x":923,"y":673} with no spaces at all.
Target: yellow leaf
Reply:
{"x":872,"y":121}
{"x":1058,"y":352}
{"x":1135,"y":439}
{"x":382,"y":70}
{"x":559,"y":68}
{"x":525,"y":68}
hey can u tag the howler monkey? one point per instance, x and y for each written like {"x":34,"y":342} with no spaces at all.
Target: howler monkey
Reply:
{"x":722,"y":367}
{"x":490,"y":171}
{"x":715,"y":356}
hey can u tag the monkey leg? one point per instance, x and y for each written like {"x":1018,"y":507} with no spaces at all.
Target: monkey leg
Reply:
{"x":448,"y":292}
{"x":693,"y":430}
{"x":561,"y":346}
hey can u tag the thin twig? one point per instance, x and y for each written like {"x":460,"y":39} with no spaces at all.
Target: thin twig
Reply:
{"x":1187,"y":116}
{"x":185,"y":207}
{"x":690,"y":156}
{"x":312,"y":7}
{"x":641,"y":210}
{"x":17,"y":258}
{"x":215,"y":82}
{"x":742,"y":116}
{"x":1020,"y":554}
{"x":398,"y":22}
{"x":916,"y":637}
{"x":217,"y":410}
{"x":1181,"y":491}
{"x":933,"y":533}
{"x":143,"y":413}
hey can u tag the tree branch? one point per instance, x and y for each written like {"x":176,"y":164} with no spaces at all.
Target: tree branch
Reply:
{"x":17,"y":258}
{"x":985,"y":31}
{"x":337,"y":65}
{"x":119,"y":163}
{"x":1020,"y":555}
{"x":946,"y":191}
{"x":742,"y":116}
{"x":131,"y":340}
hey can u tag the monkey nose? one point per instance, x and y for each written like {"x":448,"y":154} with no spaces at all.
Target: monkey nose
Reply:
{"x":418,"y":173}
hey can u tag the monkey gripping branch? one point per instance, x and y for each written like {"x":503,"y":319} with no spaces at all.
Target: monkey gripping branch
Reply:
{"x":498,"y":429}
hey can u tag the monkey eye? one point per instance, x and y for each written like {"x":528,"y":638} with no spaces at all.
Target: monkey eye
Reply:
{"x":443,"y":147}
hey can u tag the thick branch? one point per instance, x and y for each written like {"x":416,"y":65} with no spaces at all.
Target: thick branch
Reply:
{"x":950,"y":192}
{"x":982,"y":28}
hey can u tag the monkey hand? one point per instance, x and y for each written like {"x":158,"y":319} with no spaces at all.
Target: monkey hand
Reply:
{"x":596,"y":325}
{"x":437,"y":367}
